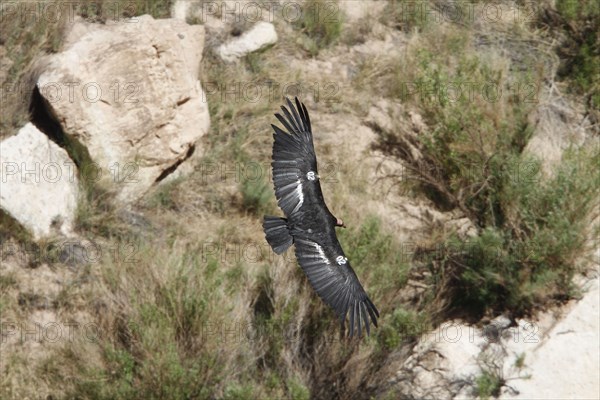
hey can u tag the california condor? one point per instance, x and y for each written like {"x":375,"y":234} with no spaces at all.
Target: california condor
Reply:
{"x":309,"y":224}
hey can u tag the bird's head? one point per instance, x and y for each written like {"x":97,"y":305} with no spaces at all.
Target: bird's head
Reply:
{"x":340,"y":223}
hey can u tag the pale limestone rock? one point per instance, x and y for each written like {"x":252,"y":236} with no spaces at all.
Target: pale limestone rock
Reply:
{"x":5,"y":64}
{"x":39,"y":183}
{"x":443,"y":363}
{"x":355,"y":10}
{"x":557,"y":125}
{"x":129,"y":92}
{"x":260,"y":35}
{"x":561,"y":359}
{"x":180,"y":9}
{"x":558,"y":352}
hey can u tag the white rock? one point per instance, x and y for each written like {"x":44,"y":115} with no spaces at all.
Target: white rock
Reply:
{"x":561,"y":357}
{"x":557,"y":125}
{"x":180,"y":9}
{"x":355,"y":10}
{"x":442,"y":363}
{"x":135,"y":101}
{"x":562,"y":362}
{"x":39,"y":182}
{"x":262,"y":34}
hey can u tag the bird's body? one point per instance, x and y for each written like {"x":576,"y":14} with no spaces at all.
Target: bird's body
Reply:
{"x":309,"y":224}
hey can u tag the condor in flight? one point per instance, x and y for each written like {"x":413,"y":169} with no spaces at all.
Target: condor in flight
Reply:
{"x":309,"y":224}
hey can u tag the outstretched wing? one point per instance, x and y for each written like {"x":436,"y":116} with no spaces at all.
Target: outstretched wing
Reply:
{"x":336,"y":283}
{"x":294,"y":161}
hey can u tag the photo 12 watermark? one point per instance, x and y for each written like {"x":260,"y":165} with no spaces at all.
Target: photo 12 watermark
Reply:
{"x":252,"y":171}
{"x":54,"y":172}
{"x":72,"y":251}
{"x":256,"y":11}
{"x":270,"y":91}
{"x":111,"y":93}
{"x":235,"y":332}
{"x":463,"y":12}
{"x":458,"y":12}
{"x":55,"y":12}
{"x":48,"y":332}
{"x":469,"y":91}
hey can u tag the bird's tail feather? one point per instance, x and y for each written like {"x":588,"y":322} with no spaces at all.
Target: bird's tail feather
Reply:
{"x":277,"y":233}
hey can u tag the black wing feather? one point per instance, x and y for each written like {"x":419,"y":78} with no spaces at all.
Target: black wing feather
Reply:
{"x":365,"y":319}
{"x":285,"y":122}
{"x":306,"y":118}
{"x":336,"y":284}
{"x":299,"y":123}
{"x":293,"y":157}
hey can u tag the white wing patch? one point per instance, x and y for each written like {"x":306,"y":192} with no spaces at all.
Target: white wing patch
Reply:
{"x":321,"y":253}
{"x":340,"y":260}
{"x":299,"y":195}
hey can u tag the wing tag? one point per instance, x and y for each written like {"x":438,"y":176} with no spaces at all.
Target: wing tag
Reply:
{"x":341,"y":260}
{"x":311,"y":176}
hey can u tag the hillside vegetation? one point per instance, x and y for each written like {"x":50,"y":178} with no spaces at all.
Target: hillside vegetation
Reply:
{"x":188,"y":301}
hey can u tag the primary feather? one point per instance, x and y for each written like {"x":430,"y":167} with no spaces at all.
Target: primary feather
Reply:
{"x":309,"y":224}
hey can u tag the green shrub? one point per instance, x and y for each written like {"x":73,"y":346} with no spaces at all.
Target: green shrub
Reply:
{"x":321,"y":24}
{"x":401,"y":327}
{"x":577,"y":24}
{"x":239,"y":392}
{"x":297,"y":390}
{"x":257,"y":195}
{"x":488,"y":385}
{"x":530,"y":231}
{"x":376,"y":255}
{"x":530,"y":255}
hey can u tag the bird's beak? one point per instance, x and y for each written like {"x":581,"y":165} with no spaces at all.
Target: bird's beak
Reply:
{"x":339,"y":223}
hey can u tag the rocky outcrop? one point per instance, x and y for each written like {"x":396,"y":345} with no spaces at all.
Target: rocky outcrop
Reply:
{"x":39,"y":183}
{"x":564,"y":364}
{"x":553,"y":356}
{"x":259,"y":36}
{"x":5,"y":64}
{"x":557,"y":125}
{"x":129,"y":93}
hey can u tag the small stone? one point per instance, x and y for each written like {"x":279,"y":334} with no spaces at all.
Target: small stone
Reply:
{"x":260,"y":35}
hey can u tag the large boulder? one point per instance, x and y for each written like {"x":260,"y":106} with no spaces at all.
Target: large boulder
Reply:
{"x":129,"y":92}
{"x":39,"y":183}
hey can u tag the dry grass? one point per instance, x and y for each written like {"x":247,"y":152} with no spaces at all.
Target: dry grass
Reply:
{"x":189,"y":300}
